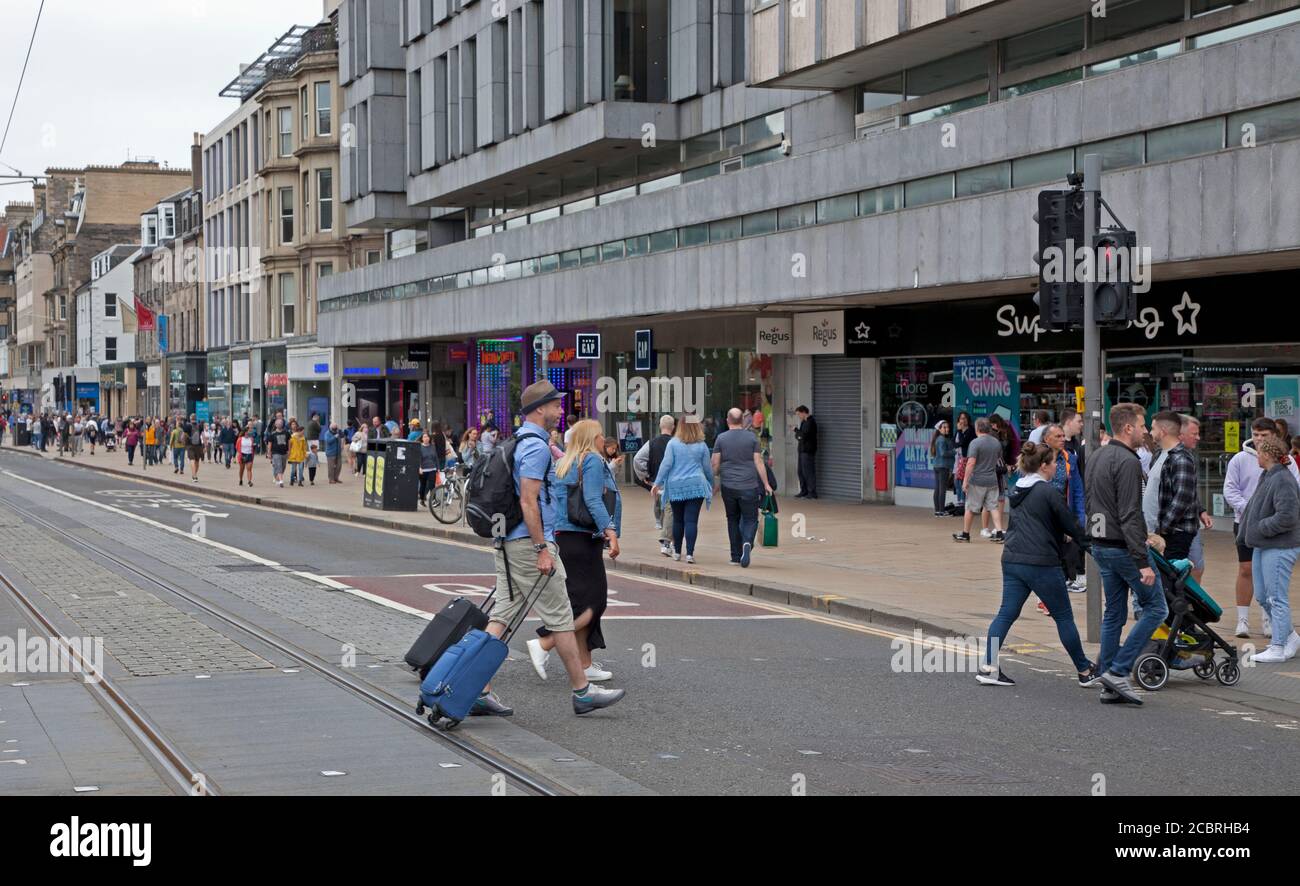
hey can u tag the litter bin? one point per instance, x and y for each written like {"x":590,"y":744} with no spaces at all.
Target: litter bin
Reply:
{"x":22,"y":436}
{"x":392,"y":481}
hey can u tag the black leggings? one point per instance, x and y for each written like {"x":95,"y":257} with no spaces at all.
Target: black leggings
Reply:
{"x":941,"y":476}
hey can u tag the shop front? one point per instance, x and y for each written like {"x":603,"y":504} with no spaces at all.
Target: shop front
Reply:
{"x":218,"y":383}
{"x":310,"y":371}
{"x":240,"y":390}
{"x":1194,"y":349}
{"x":273,"y":395}
{"x":153,"y":404}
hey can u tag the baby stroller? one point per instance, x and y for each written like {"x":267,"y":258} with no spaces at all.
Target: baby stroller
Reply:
{"x":110,"y":441}
{"x":1185,"y":641}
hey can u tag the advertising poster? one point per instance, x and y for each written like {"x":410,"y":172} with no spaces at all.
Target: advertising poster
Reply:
{"x":1232,"y":436}
{"x":988,"y":384}
{"x":1281,"y":396}
{"x":912,"y":465}
{"x":1219,"y":398}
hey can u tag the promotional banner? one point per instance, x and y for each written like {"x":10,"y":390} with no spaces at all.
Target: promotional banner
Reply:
{"x":912,"y":464}
{"x":1282,"y":397}
{"x":988,"y":384}
{"x":162,"y":334}
{"x":203,"y":410}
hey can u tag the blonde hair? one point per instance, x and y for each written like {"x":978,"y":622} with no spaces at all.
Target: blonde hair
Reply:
{"x":1274,"y":448}
{"x":583,"y":441}
{"x":690,"y":429}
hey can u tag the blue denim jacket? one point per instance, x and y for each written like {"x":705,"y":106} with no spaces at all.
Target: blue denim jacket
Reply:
{"x":596,"y":478}
{"x":686,"y":472}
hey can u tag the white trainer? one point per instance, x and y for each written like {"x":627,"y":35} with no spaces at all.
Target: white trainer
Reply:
{"x":986,"y":533}
{"x":1266,"y":624}
{"x":538,"y":656}
{"x":1243,"y":628}
{"x":677,"y":557}
{"x":690,"y":558}
{"x":597,"y":674}
{"x":665,"y":548}
{"x":1292,"y":645}
{"x":1271,"y":655}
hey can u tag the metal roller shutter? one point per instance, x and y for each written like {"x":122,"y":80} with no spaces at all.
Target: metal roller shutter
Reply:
{"x":837,"y":405}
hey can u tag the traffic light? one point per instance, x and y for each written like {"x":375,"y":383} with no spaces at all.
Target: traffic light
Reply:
{"x":1115,"y":299}
{"x":1060,"y":233}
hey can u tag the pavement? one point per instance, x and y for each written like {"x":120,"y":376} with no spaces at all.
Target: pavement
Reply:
{"x":890,"y":566}
{"x":726,"y":694}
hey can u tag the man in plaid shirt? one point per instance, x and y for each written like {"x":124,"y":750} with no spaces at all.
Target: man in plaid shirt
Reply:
{"x":1181,"y":515}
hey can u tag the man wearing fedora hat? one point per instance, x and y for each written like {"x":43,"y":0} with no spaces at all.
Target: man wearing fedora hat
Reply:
{"x":529,"y":552}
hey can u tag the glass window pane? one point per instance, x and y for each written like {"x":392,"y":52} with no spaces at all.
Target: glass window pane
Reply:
{"x":701,"y":146}
{"x":1116,"y":153}
{"x":964,"y":67}
{"x":544,"y":214}
{"x":1246,"y":29}
{"x":636,"y":49}
{"x":514,"y":270}
{"x":590,"y":255}
{"x":1046,"y":82}
{"x":927,"y":190}
{"x":943,"y":110}
{"x":984,"y":179}
{"x":517,"y":222}
{"x":637,"y":245}
{"x":615,"y":196}
{"x":464,"y":279}
{"x":611,"y":251}
{"x":1136,"y":58}
{"x":699,"y":172}
{"x":662,"y":241}
{"x":1042,"y":168}
{"x":758,"y":158}
{"x":550,"y":263}
{"x":579,"y":205}
{"x":694,"y":235}
{"x":479,"y":276}
{"x":837,"y":208}
{"x":1270,"y":124}
{"x":878,"y":200}
{"x":1131,"y":16}
{"x":658,"y":184}
{"x":772,"y":124}
{"x":570,"y":259}
{"x":882,"y":93}
{"x":724,"y":229}
{"x":732,"y":136}
{"x":1188,"y":140}
{"x":759,"y":223}
{"x":532,"y":267}
{"x":789,"y":217}
{"x":1041,"y":45}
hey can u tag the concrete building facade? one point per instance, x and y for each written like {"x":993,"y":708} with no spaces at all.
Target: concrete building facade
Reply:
{"x":812,"y":235}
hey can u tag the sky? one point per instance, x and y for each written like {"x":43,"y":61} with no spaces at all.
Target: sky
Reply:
{"x":111,"y":80}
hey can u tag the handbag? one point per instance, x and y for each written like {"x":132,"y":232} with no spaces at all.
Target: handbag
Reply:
{"x":771,"y":525}
{"x":578,"y":512}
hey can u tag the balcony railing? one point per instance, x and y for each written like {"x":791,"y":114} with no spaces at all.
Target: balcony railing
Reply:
{"x":282,"y":58}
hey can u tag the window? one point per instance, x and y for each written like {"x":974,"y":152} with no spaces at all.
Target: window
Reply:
{"x":701,"y":146}
{"x":984,"y":179}
{"x":612,"y":251}
{"x":837,"y":208}
{"x":882,"y":93}
{"x":372,"y":257}
{"x":590,"y":255}
{"x":168,"y":221}
{"x":304,"y":131}
{"x":569,"y":259}
{"x":325,"y":269}
{"x":1116,"y":153}
{"x":800,"y":216}
{"x":1042,"y":168}
{"x":286,"y":216}
{"x":63,"y":307}
{"x":955,"y":70}
{"x":306,"y":204}
{"x":724,"y":229}
{"x":149,"y":230}
{"x":637,"y":245}
{"x":1246,"y":29}
{"x":1132,"y":16}
{"x":758,"y":158}
{"x":927,"y":190}
{"x":1042,"y":45}
{"x":324,"y":110}
{"x":951,"y":108}
{"x":286,"y":131}
{"x":662,"y":241}
{"x":694,"y":235}
{"x":1187,"y":140}
{"x":110,"y":304}
{"x":288,"y":301}
{"x":636,"y":50}
{"x":1268,"y":124}
{"x":110,"y":349}
{"x":763,"y":127}
{"x":757,"y":223}
{"x":1045,"y":82}
{"x":1136,"y":58}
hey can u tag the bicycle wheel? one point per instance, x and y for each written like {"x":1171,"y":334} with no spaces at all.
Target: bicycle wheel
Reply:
{"x":447,"y":503}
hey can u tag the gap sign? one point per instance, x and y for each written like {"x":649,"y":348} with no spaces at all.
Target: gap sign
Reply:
{"x":588,"y":346}
{"x":645,"y":351}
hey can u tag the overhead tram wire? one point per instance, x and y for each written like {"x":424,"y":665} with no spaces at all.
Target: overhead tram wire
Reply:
{"x":22,"y":77}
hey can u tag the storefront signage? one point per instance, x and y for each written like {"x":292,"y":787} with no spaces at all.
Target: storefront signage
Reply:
{"x":775,"y":335}
{"x":1174,"y":314}
{"x":364,"y":370}
{"x":419,"y":353}
{"x":203,"y":410}
{"x":275,"y":379}
{"x":239,"y":372}
{"x":497,"y":358}
{"x":1282,"y":396}
{"x":588,"y":345}
{"x":457,"y":354}
{"x":821,"y":333}
{"x":154,"y":376}
{"x":321,"y":368}
{"x":644,"y":357}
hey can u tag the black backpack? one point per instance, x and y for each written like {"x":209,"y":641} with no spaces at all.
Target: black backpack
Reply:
{"x":490,"y":490}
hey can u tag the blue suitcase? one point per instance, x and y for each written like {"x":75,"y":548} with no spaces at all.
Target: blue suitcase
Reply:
{"x":458,"y":678}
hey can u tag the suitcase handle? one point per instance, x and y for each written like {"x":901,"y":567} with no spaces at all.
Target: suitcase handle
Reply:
{"x":533,"y":595}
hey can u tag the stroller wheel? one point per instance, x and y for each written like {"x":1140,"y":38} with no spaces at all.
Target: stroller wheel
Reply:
{"x":1151,"y":672}
{"x":1228,"y":673}
{"x":1204,"y":670}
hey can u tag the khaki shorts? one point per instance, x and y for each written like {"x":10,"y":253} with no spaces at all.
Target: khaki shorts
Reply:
{"x":552,"y":606}
{"x":981,"y":498}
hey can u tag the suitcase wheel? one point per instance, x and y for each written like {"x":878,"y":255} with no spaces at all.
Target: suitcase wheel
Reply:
{"x":419,"y":709}
{"x":451,"y":724}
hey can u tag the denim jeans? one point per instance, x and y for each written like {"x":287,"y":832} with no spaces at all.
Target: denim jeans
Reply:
{"x":742,"y":518}
{"x":1119,"y":575}
{"x":178,"y":459}
{"x":686,"y":524}
{"x":1048,"y":582}
{"x":1270,"y":570}
{"x":295,"y":472}
{"x":941,"y":476}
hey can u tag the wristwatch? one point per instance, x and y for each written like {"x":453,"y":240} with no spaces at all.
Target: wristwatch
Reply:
{"x":539,"y":548}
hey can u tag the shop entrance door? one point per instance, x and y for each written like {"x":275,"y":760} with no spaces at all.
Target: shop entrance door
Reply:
{"x":837,"y":406}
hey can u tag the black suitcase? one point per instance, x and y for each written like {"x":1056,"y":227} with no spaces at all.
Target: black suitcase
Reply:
{"x":456,"y":619}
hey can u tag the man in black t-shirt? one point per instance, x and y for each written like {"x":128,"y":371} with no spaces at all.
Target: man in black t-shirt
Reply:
{"x":278,"y":440}
{"x":806,"y":434}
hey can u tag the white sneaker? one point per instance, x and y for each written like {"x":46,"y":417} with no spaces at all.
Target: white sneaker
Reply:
{"x":596,"y":674}
{"x":1271,"y":655}
{"x":665,"y":548}
{"x":677,"y":556}
{"x":1266,"y":624}
{"x":1243,"y":628}
{"x":1292,"y":645}
{"x":538,"y":656}
{"x":659,"y":527}
{"x":986,"y":533}
{"x":690,"y":558}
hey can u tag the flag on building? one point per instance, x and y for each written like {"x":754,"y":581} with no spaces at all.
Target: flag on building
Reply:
{"x":145,"y":318}
{"x":126,"y":310}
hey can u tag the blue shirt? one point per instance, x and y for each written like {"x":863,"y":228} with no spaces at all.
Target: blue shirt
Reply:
{"x":533,"y":462}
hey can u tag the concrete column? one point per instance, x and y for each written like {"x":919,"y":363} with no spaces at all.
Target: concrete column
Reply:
{"x":560,"y":33}
{"x":453,"y":102}
{"x":534,"y":89}
{"x":438,"y":91}
{"x":468,"y":103}
{"x":593,"y":51}
{"x":515,"y":122}
{"x":490,"y":74}
{"x":690,"y":48}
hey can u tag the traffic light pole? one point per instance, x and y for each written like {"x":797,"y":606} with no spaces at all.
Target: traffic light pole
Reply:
{"x":1093,"y":370}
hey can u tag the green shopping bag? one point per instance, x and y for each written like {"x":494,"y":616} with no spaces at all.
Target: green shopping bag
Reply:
{"x":771,"y":525}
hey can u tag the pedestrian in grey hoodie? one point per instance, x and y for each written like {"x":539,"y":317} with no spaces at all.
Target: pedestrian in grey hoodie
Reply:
{"x":1270,"y":525}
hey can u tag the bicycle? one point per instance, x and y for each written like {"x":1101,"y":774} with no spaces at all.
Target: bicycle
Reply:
{"x":447,"y":499}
